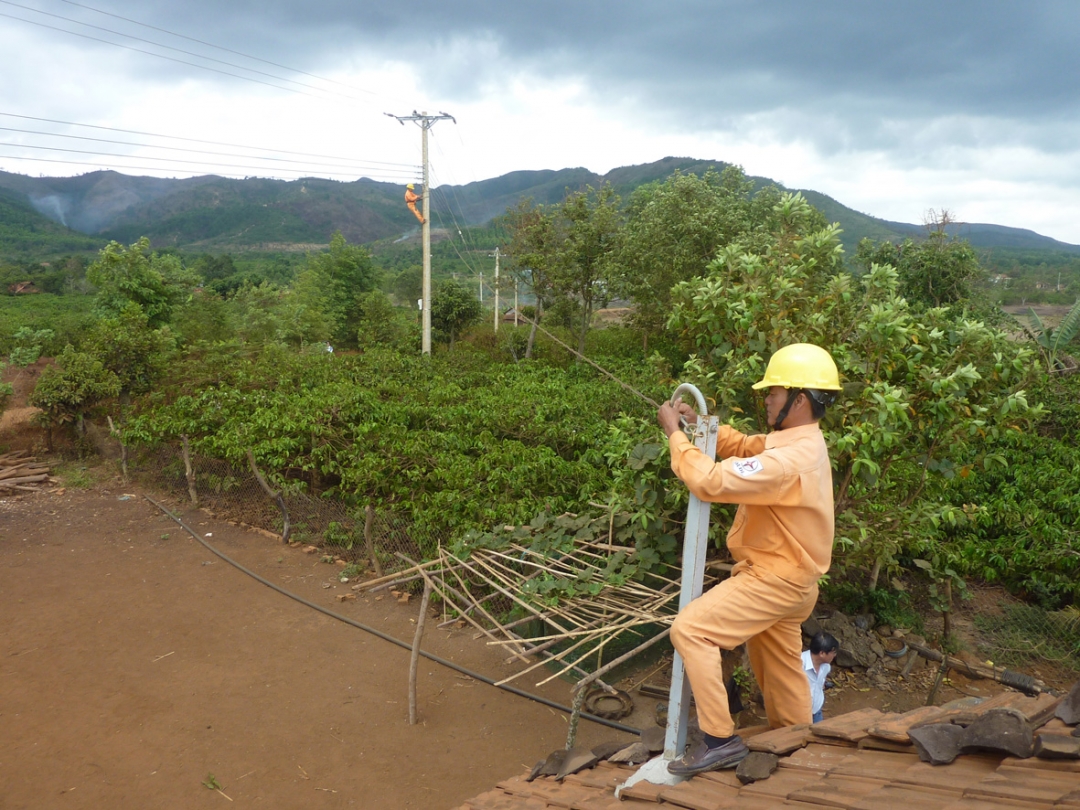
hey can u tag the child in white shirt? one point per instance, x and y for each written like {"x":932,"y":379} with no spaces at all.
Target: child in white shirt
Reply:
{"x":817,"y":662}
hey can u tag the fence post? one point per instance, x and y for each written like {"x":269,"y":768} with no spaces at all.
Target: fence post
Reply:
{"x":369,"y":541}
{"x":416,"y":648}
{"x":123,"y":448}
{"x":189,"y":473}
{"x":273,"y":494}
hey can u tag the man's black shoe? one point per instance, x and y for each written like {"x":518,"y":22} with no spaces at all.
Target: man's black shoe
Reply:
{"x":699,"y":758}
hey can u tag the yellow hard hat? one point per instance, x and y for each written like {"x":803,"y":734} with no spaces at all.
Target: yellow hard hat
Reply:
{"x":801,"y":365}
{"x":409,"y":186}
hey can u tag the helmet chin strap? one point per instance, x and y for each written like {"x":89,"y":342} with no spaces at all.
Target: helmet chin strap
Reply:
{"x":780,"y":417}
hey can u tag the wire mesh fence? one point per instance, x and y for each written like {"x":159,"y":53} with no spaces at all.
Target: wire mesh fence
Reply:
{"x":380,"y":539}
{"x":1021,"y":635}
{"x":369,"y":535}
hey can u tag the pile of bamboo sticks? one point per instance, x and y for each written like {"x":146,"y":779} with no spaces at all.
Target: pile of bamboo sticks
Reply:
{"x":570,"y":636}
{"x":22,"y":473}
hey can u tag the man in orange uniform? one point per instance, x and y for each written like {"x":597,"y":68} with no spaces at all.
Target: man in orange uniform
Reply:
{"x":781,"y":540}
{"x":410,"y":200}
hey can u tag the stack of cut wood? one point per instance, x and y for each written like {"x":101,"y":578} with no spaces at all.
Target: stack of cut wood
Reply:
{"x":20,"y":472}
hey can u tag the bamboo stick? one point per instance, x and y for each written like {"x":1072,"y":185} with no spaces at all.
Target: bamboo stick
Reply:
{"x":610,"y":665}
{"x":474,"y":623}
{"x":507,"y":593}
{"x":389,"y":578}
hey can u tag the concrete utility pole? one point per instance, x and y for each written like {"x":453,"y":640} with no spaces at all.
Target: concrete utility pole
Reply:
{"x":425,"y":122}
{"x":496,"y":288}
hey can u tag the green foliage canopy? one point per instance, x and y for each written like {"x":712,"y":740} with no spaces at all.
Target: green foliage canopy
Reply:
{"x":453,"y":307}
{"x":922,"y":390}
{"x":675,"y":228}
{"x":73,"y":385}
{"x":154,"y":282}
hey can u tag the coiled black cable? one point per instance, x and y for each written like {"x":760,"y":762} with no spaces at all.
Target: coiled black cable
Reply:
{"x":450,"y":664}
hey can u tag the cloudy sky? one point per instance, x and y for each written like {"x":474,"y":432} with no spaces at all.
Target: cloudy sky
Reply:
{"x":892,"y":108}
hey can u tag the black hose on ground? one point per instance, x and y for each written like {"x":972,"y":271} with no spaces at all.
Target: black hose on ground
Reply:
{"x":450,"y":664}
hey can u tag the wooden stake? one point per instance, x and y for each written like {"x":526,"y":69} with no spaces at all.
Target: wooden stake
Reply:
{"x":189,"y":473}
{"x":416,"y":649}
{"x":369,"y":544}
{"x":273,"y":494}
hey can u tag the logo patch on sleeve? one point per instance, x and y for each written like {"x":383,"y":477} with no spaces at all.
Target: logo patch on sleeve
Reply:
{"x":747,"y":466}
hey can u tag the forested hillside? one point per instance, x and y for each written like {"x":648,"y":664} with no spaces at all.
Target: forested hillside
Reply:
{"x":224,"y":215}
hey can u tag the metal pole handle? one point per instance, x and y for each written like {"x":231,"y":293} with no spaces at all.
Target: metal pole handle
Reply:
{"x":699,"y":398}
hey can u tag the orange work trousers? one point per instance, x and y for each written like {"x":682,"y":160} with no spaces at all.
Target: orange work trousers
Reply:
{"x":764,"y":611}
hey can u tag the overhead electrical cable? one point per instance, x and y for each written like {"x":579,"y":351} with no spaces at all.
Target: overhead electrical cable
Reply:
{"x":99,"y":165}
{"x":412,"y":166}
{"x":177,"y":50}
{"x":405,"y":171}
{"x":223,"y":48}
{"x":450,"y":194}
{"x":158,"y":55}
{"x":457,"y":228}
{"x":151,"y":157}
{"x":384,"y":636}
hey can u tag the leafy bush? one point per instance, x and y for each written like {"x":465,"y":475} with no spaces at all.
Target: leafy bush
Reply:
{"x":1023,"y":515}
{"x":71,"y":387}
{"x":457,"y":439}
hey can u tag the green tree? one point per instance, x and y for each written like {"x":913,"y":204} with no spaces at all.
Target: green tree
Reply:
{"x":922,"y":388}
{"x":342,"y":275}
{"x":675,"y":228}
{"x":257,"y":313}
{"x":588,"y":227}
{"x":381,"y":323}
{"x":936,"y":272}
{"x":76,"y":383}
{"x":453,"y":308}
{"x":408,"y":287}
{"x":131,"y":349}
{"x":214,"y":268}
{"x":307,"y":312}
{"x":565,"y":253}
{"x":532,"y":251}
{"x":155,"y":282}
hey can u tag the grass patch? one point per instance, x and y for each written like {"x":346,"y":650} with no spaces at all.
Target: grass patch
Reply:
{"x":75,"y":476}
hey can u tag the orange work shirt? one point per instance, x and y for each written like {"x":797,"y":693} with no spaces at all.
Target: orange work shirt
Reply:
{"x":782,"y":482}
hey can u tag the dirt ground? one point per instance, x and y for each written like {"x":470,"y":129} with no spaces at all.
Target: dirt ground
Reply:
{"x":134,"y":663}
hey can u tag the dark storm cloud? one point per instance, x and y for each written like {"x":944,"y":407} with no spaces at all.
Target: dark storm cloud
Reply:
{"x":703,"y":59}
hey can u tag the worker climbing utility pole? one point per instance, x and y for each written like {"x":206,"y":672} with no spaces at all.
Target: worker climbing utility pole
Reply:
{"x":425,"y":122}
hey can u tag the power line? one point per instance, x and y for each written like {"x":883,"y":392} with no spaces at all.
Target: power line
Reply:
{"x":452,"y":195}
{"x":155,"y":159}
{"x":158,"y":55}
{"x":111,"y":166}
{"x":412,"y":166}
{"x":222,"y":48}
{"x":167,"y":47}
{"x":405,"y":171}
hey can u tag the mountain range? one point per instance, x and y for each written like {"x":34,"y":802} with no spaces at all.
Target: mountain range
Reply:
{"x":215,"y":214}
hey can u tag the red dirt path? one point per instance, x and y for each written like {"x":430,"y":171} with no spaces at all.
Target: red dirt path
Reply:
{"x":133,"y":663}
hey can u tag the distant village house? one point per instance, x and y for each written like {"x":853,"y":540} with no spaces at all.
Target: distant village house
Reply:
{"x":23,"y":288}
